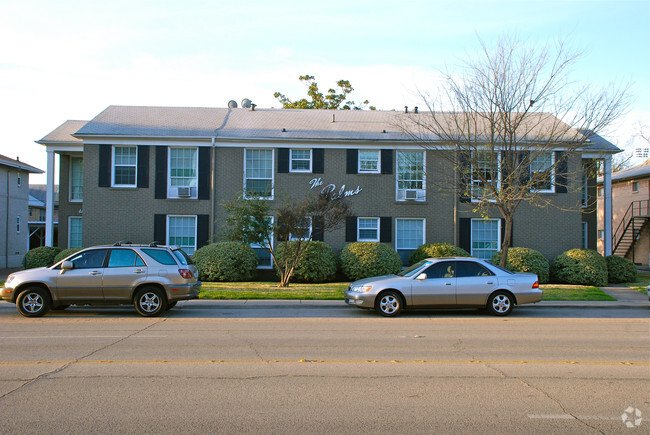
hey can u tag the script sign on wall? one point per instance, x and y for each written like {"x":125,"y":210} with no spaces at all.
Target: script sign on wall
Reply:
{"x":332,"y":190}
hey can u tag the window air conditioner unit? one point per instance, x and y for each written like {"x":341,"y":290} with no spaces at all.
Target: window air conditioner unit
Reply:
{"x":411,"y":194}
{"x":184,"y":192}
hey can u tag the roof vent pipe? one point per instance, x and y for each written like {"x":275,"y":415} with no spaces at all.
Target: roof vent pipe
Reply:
{"x":415,"y":109}
{"x":253,"y":107}
{"x":406,"y":109}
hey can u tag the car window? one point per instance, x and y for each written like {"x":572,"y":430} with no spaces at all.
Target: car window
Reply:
{"x":413,"y":269}
{"x":470,"y":268}
{"x":161,"y":256}
{"x":509,"y":272}
{"x":443,"y":269}
{"x":124,"y":258}
{"x":89,"y":259}
{"x":182,"y":257}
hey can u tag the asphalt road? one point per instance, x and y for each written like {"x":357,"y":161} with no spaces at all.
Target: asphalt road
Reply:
{"x":321,"y":367}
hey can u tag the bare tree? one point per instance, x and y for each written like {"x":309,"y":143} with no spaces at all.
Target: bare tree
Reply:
{"x":296,"y":223}
{"x":502,"y":120}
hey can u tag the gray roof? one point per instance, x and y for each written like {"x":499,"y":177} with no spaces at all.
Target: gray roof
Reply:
{"x":39,"y":192}
{"x":6,"y":161}
{"x":598,"y":143}
{"x":284,"y":124}
{"x":639,"y":171}
{"x":63,"y":134}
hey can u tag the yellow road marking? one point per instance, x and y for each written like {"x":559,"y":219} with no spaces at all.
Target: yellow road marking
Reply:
{"x":327,"y":361}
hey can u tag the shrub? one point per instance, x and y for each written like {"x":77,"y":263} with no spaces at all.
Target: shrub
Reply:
{"x":581,"y":267}
{"x":437,"y":250}
{"x":525,"y":260}
{"x":42,"y":256}
{"x":65,"y":253}
{"x":316,"y":264}
{"x":365,"y":259}
{"x":225,"y":261}
{"x":620,"y":269}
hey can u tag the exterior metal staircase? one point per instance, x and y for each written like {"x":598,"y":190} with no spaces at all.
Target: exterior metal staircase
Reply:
{"x":629,"y":230}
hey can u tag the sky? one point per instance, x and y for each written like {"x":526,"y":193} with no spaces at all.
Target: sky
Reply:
{"x":69,"y":59}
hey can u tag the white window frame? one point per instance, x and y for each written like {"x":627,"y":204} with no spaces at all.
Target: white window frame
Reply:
{"x":421,"y":194}
{"x":114,"y":166}
{"x":18,"y":222}
{"x":70,"y":220}
{"x":291,"y":159}
{"x":601,"y":234}
{"x":635,"y":184}
{"x":19,"y":179}
{"x":475,"y":181}
{"x":551,"y":173}
{"x":172,"y":191}
{"x":360,"y":170}
{"x":246,"y":150}
{"x":81,"y":187}
{"x":258,"y":246}
{"x":424,"y":232}
{"x":292,"y":237}
{"x":499,"y":236}
{"x":169,"y":216}
{"x":377,"y":228}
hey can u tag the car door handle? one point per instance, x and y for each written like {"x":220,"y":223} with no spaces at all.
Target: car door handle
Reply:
{"x":138,"y":271}
{"x":95,"y":272}
{"x":490,"y":282}
{"x":447,"y":283}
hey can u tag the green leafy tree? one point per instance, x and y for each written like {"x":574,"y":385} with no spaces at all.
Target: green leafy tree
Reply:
{"x":333,"y":99}
{"x":249,"y":222}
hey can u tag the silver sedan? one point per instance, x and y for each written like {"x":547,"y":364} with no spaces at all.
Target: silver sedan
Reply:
{"x":446,"y":282}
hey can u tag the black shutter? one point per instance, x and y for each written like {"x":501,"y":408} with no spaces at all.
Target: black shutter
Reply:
{"x":204,"y":172}
{"x":465,"y":234}
{"x":160,"y":228}
{"x":386,"y":161}
{"x":143,"y":166}
{"x":524,"y":165}
{"x":161,"y":173}
{"x":465,"y":174}
{"x":202,"y":230}
{"x":283,"y":160}
{"x":317,"y":223}
{"x":351,"y":229}
{"x":560,"y":172}
{"x":318,"y":163}
{"x":352,"y":162}
{"x":385,"y":229}
{"x":105,"y":165}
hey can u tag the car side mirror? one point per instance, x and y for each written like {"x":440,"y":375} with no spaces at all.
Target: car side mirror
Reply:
{"x":421,"y":277}
{"x":67,"y":265}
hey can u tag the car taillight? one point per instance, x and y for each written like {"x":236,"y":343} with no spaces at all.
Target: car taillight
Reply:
{"x":185,"y":273}
{"x":536,"y":285}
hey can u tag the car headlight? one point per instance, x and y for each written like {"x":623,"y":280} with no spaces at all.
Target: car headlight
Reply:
{"x":361,"y":288}
{"x":9,"y":279}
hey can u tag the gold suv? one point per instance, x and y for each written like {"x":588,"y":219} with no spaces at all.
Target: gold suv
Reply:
{"x":151,"y":277}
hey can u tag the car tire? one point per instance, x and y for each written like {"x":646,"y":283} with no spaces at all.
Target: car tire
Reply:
{"x":150,"y":302}
{"x":500,"y":303}
{"x":171,"y":304}
{"x":34,"y":302}
{"x":389,"y":304}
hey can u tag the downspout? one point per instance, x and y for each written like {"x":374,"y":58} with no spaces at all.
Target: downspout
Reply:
{"x":7,"y":226}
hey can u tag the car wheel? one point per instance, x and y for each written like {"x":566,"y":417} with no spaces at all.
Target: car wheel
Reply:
{"x":389,"y":304}
{"x":34,"y":302}
{"x":171,"y":304}
{"x":500,"y":304}
{"x":150,"y":302}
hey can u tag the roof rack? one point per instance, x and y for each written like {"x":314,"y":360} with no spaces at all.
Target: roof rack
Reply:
{"x":122,"y":242}
{"x":154,"y":244}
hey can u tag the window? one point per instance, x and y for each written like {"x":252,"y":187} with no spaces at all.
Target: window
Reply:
{"x":41,"y":215}
{"x":74,"y":232}
{"x":89,"y":259}
{"x":486,"y":237}
{"x":183,"y":172}
{"x":466,"y":269}
{"x":161,"y":256}
{"x":485,"y":173}
{"x":601,"y":234}
{"x":410,"y":176}
{"x":258,"y":170}
{"x":125,"y":162}
{"x":76,"y":179}
{"x":300,"y":161}
{"x":635,"y":186}
{"x":18,"y":224}
{"x":409,"y":235}
{"x":19,"y":179}
{"x":303,"y":231}
{"x":585,"y":188}
{"x":585,"y":235}
{"x":541,"y":173}
{"x":264,"y":259}
{"x":368,"y":229}
{"x":124,"y":258}
{"x":181,"y":232}
{"x":443,"y":269}
{"x":369,"y":162}
{"x":601,"y":191}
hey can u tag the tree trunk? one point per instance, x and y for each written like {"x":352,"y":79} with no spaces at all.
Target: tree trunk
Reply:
{"x":506,"y":240}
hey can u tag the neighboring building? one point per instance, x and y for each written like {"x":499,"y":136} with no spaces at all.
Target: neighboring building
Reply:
{"x":630,"y":214}
{"x":37,"y":193}
{"x":14,"y":210}
{"x":162,"y":173}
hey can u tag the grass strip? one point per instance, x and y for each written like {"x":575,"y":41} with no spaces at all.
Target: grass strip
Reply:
{"x":555,"y":292}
